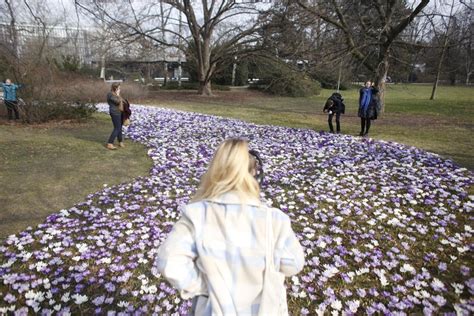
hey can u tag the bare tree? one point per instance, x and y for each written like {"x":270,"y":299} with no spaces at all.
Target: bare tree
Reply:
{"x":28,"y":27}
{"x":31,"y":45}
{"x":10,"y":46}
{"x":216,"y":28}
{"x":467,"y":31}
{"x":165,"y":14}
{"x":443,"y":50}
{"x":104,"y":43}
{"x":369,"y":28}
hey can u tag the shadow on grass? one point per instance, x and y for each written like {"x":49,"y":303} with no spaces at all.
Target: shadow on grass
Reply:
{"x":98,"y":130}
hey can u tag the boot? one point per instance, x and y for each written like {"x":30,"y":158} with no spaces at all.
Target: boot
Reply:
{"x":110,"y":146}
{"x":121,"y":144}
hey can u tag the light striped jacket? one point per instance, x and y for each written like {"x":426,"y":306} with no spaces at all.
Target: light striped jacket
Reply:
{"x":216,"y":254}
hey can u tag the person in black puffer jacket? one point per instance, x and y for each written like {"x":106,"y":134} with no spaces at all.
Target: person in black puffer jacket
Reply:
{"x":335,"y":106}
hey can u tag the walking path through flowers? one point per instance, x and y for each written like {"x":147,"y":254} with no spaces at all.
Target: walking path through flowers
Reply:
{"x":386,"y":228}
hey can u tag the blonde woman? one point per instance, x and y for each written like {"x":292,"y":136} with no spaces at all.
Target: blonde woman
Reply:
{"x":216,"y":251}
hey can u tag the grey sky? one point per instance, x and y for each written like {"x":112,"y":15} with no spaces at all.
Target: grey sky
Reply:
{"x":63,"y":11}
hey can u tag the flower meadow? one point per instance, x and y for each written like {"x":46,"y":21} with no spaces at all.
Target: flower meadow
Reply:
{"x":386,"y":228}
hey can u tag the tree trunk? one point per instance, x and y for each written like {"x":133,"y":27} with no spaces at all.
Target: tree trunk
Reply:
{"x":380,"y":81}
{"x":234,"y":69}
{"x":204,"y":77}
{"x":443,"y":52}
{"x":180,"y":69}
{"x":438,"y":72}
{"x":148,"y":73}
{"x":205,"y":88}
{"x":180,"y":73}
{"x":165,"y":71}
{"x":102,"y":67}
{"x":14,"y":42}
{"x":205,"y":69}
{"x":339,"y":75}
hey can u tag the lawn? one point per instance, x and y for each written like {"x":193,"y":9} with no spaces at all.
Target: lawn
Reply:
{"x":49,"y":167}
{"x":444,"y":126}
{"x":386,"y":228}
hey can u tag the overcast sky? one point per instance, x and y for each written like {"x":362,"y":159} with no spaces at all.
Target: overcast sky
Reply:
{"x":65,"y":9}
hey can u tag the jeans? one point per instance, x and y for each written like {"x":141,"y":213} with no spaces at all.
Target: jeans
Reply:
{"x":12,"y":106}
{"x":117,"y":132}
{"x":338,"y":123}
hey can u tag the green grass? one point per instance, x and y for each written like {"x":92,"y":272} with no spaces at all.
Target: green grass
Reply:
{"x":444,"y":126}
{"x":46,"y":168}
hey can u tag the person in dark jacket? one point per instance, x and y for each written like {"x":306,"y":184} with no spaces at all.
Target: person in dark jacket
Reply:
{"x":10,"y":98}
{"x":368,"y":107}
{"x":115,"y":102}
{"x":335,"y":106}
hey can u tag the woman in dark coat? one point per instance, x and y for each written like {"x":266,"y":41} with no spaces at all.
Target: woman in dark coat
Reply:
{"x":335,"y":106}
{"x":368,"y":107}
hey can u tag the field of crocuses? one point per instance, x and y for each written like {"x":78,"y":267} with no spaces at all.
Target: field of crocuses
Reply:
{"x":387,"y":229}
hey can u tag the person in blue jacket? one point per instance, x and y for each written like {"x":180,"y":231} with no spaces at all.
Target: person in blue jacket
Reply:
{"x":10,"y":98}
{"x":368,"y":107}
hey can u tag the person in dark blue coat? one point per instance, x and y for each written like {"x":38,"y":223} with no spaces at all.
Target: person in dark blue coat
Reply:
{"x":335,"y":106}
{"x":368,"y":107}
{"x":10,"y":98}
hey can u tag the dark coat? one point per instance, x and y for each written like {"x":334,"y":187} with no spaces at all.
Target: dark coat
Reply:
{"x":114,"y":101}
{"x":373,"y":109}
{"x":335,"y":104}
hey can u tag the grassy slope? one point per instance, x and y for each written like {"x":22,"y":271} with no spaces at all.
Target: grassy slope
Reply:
{"x":44,"y":169}
{"x":444,"y":126}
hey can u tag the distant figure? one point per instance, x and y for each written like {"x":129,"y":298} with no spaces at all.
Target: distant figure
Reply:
{"x":216,"y":252}
{"x":368,"y":107}
{"x":115,"y":102}
{"x":10,"y":97}
{"x":335,"y":106}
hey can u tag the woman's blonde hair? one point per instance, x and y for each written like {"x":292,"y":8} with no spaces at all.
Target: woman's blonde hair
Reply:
{"x":231,"y":169}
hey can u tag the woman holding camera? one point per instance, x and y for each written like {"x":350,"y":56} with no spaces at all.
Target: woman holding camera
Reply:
{"x":216,"y":253}
{"x":115,"y":102}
